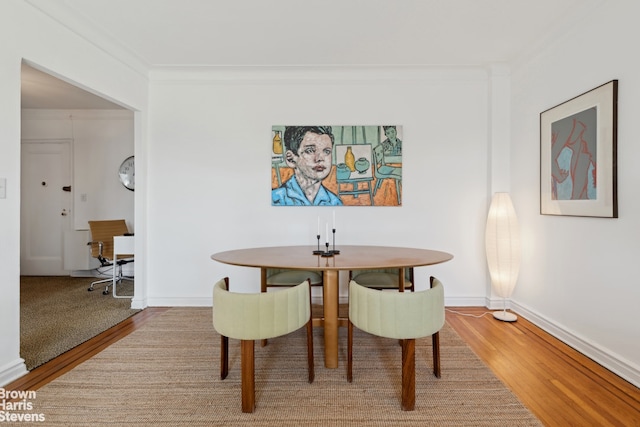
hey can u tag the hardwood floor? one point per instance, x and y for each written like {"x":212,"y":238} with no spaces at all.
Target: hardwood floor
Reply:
{"x":558,"y":384}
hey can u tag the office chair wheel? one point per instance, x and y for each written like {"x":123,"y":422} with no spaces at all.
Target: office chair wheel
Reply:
{"x":105,"y":292}
{"x":90,"y":289}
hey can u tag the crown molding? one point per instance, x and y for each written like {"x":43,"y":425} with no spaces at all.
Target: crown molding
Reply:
{"x":85,"y":28}
{"x":282,"y":74}
{"x":54,"y":114}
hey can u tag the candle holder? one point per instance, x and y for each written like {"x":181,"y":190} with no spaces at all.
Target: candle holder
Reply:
{"x":327,"y":253}
{"x":334,"y":251}
{"x":319,"y":251}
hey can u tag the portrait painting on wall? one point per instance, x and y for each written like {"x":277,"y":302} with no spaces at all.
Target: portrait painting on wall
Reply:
{"x":578,"y":172}
{"x":336,"y":165}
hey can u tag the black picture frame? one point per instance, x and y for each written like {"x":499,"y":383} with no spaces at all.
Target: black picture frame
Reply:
{"x":578,"y":155}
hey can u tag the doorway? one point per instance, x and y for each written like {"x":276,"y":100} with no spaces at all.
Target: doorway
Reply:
{"x":45,"y":210}
{"x":72,"y":144}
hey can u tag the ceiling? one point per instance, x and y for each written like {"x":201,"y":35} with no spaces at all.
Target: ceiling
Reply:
{"x":295,"y":33}
{"x":43,"y":91}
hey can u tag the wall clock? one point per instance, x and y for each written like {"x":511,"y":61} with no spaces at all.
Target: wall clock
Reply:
{"x":127,"y":173}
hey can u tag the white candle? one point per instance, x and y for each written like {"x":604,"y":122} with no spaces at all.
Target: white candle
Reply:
{"x":334,"y":219}
{"x":318,"y":226}
{"x":327,"y":232}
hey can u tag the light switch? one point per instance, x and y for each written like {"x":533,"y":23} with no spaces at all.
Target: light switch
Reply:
{"x":3,"y":188}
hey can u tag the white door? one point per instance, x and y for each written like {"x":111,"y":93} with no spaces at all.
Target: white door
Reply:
{"x":45,"y":209}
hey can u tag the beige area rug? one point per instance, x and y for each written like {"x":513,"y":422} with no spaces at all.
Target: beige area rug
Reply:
{"x":57,"y":314}
{"x":167,"y":373}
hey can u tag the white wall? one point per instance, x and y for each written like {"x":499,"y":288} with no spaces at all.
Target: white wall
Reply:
{"x":102,"y":139}
{"x":579,"y":277}
{"x":203,"y":177}
{"x":46,"y":44}
{"x":209,"y":180}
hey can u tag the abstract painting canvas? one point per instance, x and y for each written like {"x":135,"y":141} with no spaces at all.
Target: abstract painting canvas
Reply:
{"x":578,"y":144}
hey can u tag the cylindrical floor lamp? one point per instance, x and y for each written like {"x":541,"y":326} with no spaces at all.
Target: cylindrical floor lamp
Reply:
{"x":502,"y":242}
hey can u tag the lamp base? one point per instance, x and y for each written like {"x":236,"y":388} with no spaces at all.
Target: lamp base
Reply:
{"x":505,"y":316}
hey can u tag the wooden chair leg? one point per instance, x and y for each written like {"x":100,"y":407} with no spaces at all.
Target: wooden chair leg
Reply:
{"x":435,"y":343}
{"x":224,"y":357}
{"x":263,"y":288}
{"x":408,"y":374}
{"x":263,"y":279}
{"x":349,"y":351}
{"x":311,"y":366}
{"x":248,"y":380}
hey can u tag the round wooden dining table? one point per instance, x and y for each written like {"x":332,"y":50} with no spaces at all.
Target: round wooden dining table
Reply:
{"x":350,"y":258}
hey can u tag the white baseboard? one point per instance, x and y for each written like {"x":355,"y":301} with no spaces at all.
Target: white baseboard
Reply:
{"x":12,"y":371}
{"x":82,"y":273}
{"x":180,"y":302}
{"x":465,"y":302}
{"x":449,"y":302}
{"x":316,"y":299}
{"x":616,"y":364}
{"x":139,"y":303}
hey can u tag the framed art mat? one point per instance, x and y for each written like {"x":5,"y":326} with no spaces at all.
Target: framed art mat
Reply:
{"x":578,"y":143}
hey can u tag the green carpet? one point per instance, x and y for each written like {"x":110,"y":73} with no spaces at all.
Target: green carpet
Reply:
{"x":57,"y":314}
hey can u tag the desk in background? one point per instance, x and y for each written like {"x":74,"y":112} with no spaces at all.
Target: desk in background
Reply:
{"x":122,"y":245}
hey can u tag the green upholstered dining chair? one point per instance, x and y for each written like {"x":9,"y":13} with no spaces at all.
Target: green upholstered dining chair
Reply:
{"x":383,"y":278}
{"x":281,"y":277}
{"x":400,"y":315}
{"x":278,"y":277}
{"x":256,"y":316}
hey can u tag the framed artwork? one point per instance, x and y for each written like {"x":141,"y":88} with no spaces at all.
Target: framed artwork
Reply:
{"x":336,"y":165}
{"x":578,"y":166}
